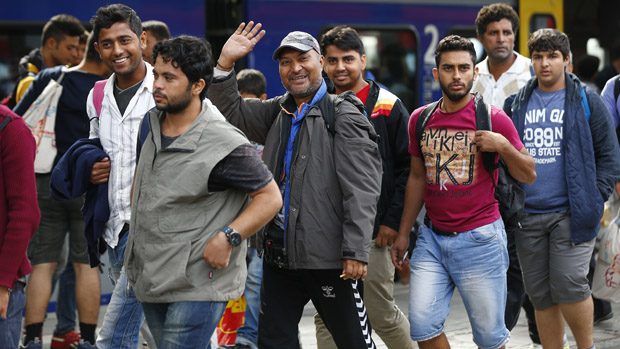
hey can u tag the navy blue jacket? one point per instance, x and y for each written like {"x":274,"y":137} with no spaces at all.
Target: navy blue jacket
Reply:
{"x":71,"y":179}
{"x":591,"y":153}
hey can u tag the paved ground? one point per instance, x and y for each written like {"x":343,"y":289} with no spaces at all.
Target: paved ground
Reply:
{"x":606,"y":334}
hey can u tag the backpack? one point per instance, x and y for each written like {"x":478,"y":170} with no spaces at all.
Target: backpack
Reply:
{"x":509,"y":195}
{"x":41,"y":118}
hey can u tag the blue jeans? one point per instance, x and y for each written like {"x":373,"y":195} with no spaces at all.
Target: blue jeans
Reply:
{"x":10,"y":327}
{"x":183,"y":324}
{"x":123,"y":317}
{"x":65,"y":305}
{"x":248,"y":333}
{"x":474,"y":261}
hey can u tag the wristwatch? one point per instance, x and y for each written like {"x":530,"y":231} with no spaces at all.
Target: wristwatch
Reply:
{"x":233,"y":236}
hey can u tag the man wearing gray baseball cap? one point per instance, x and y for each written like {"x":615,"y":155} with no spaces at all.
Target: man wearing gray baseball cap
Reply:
{"x":322,"y":151}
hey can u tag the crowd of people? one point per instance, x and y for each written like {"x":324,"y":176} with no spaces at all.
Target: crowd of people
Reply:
{"x":201,"y":189}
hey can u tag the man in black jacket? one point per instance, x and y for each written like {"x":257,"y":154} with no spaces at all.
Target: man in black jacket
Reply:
{"x":345,"y":61}
{"x":322,"y":151}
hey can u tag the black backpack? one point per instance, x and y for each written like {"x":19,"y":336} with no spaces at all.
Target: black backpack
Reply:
{"x":508,"y":193}
{"x":329,"y":108}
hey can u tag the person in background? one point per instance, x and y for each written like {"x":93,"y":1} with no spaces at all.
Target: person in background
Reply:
{"x":345,"y":62}
{"x":587,"y":70}
{"x":60,"y":40}
{"x":81,"y":49}
{"x":251,"y":83}
{"x":127,"y":96}
{"x":502,"y":73}
{"x":612,"y":69}
{"x":156,"y":31}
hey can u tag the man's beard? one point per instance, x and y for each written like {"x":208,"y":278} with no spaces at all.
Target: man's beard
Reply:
{"x":175,"y":104}
{"x":456,"y":96}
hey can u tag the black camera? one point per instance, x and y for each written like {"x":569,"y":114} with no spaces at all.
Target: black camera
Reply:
{"x":275,"y":251}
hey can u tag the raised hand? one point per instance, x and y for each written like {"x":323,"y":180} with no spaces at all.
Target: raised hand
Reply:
{"x":240,"y":44}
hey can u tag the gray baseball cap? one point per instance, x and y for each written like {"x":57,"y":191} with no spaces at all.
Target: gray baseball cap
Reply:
{"x":300,"y":41}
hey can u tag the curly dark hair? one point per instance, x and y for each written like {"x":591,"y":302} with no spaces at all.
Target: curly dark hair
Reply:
{"x":109,"y":15}
{"x":454,"y":43}
{"x":548,"y":40}
{"x":495,"y":13}
{"x":191,"y":54}
{"x":343,"y":37}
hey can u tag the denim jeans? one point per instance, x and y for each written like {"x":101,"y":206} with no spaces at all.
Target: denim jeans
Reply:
{"x":10,"y":327}
{"x":475,"y":262}
{"x":66,"y":304}
{"x":124,"y":316}
{"x":183,"y":324}
{"x":248,"y":333}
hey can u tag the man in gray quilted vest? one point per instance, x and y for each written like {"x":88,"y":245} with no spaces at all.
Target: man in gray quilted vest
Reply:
{"x":191,"y":207}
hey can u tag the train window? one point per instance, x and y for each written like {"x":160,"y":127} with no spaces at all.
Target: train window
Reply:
{"x":540,"y":21}
{"x":392,"y":59}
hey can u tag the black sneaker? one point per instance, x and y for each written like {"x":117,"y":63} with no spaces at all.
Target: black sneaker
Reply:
{"x":599,"y":319}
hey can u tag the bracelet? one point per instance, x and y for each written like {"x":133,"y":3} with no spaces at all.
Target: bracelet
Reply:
{"x":223,"y":67}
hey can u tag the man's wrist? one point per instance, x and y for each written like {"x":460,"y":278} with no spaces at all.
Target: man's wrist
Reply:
{"x":232,"y":236}
{"x":225,"y":65}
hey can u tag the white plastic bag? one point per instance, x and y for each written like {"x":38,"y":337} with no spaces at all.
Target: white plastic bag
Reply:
{"x":606,"y":281}
{"x":608,"y":236}
{"x":41,"y":118}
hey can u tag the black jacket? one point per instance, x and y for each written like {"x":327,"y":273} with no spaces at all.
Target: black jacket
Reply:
{"x":390,"y":119}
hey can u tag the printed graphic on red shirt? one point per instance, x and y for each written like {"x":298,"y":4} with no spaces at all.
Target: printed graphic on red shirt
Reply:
{"x":449,"y":157}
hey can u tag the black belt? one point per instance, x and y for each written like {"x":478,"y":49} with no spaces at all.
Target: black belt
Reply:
{"x":436,"y":230}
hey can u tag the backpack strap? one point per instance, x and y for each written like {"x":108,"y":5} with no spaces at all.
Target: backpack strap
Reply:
{"x":329,"y":108}
{"x":584,"y":102}
{"x":145,"y":128}
{"x":5,"y":122}
{"x":425,"y":115}
{"x":63,"y":70}
{"x":98,"y":95}
{"x":483,"y":123}
{"x":329,"y":113}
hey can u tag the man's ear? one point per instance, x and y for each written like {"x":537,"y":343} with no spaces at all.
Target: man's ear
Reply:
{"x":198,"y":86}
{"x":51,"y":43}
{"x":97,"y":49}
{"x":143,"y":41}
{"x":436,"y":74}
